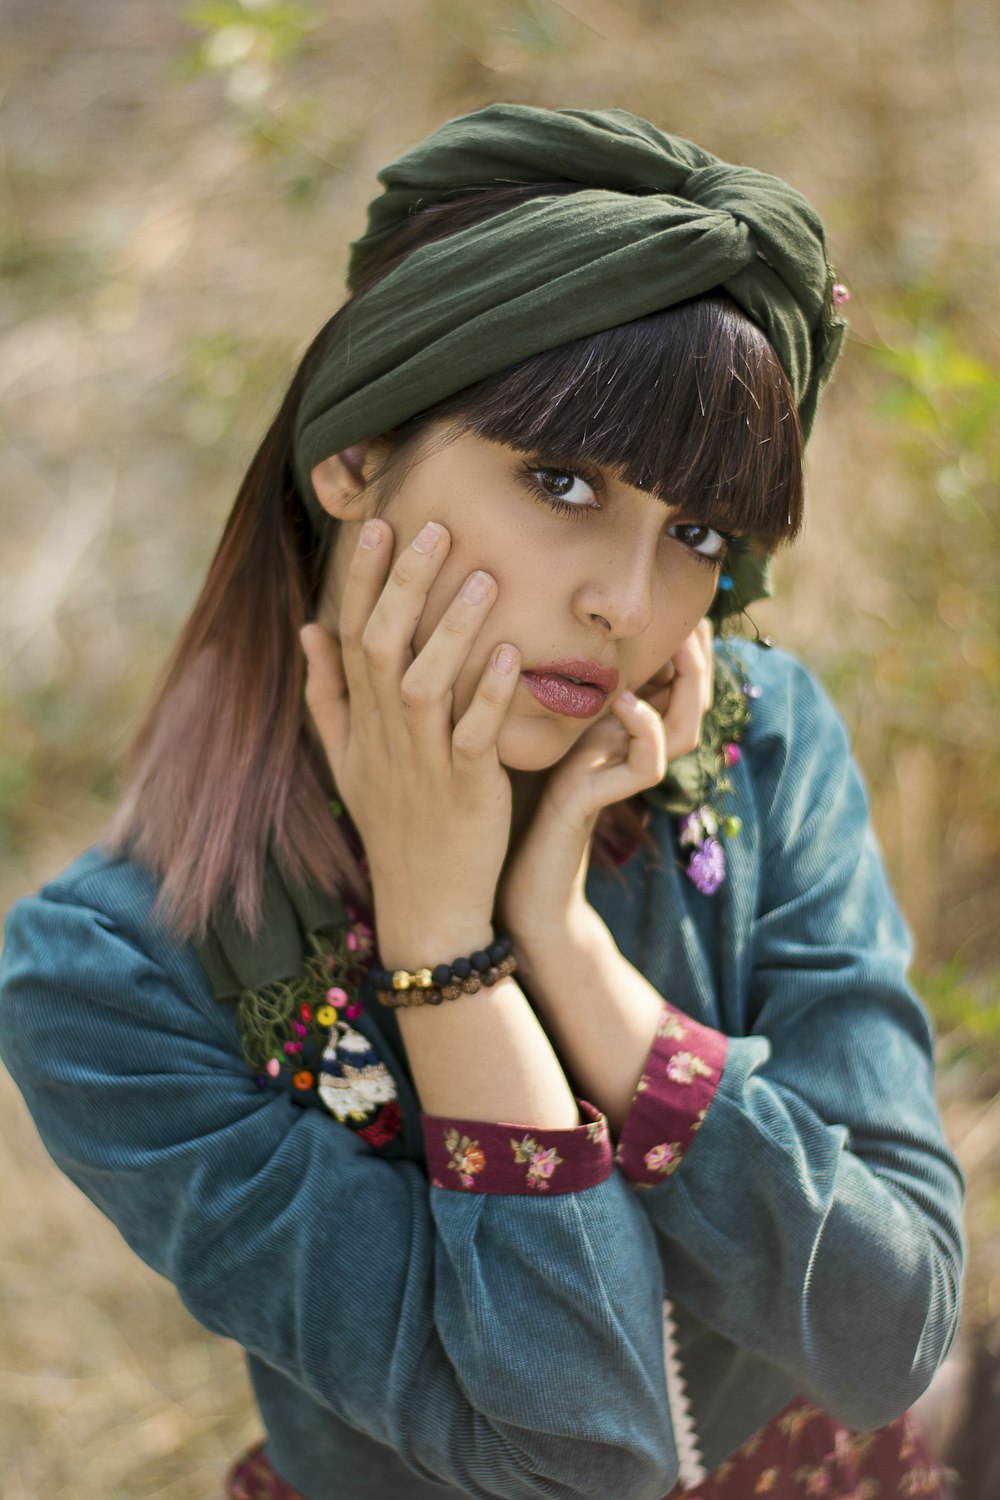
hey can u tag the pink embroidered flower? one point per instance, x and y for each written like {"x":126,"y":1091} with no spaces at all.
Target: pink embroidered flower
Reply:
{"x":685,"y":1067}
{"x":540,"y":1161}
{"x":543,"y":1163}
{"x":597,"y":1131}
{"x":768,"y":1479}
{"x":662,"y":1158}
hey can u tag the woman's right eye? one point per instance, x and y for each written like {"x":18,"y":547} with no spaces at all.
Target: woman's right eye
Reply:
{"x":563,"y":489}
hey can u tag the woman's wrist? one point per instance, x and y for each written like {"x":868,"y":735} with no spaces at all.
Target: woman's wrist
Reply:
{"x":543,"y":941}
{"x":416,"y":945}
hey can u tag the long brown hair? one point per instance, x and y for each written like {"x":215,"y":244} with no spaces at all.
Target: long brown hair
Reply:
{"x":688,"y":402}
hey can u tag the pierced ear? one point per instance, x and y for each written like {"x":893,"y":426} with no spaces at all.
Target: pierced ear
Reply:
{"x":339,"y":480}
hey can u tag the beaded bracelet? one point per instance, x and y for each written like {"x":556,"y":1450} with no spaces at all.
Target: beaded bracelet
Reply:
{"x":465,"y":976}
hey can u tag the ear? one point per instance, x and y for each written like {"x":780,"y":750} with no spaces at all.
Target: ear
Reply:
{"x":339,"y":482}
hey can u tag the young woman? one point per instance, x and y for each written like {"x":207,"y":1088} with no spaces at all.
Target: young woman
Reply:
{"x":487,"y":1005}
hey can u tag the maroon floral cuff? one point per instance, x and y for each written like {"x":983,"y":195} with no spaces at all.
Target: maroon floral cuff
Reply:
{"x":477,"y":1156}
{"x":671,"y":1100}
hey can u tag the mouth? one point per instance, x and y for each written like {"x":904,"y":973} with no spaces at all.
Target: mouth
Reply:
{"x":579,"y":672}
{"x":578,"y":690}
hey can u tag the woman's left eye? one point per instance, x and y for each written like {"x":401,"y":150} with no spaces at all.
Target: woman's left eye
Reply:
{"x":704,"y":541}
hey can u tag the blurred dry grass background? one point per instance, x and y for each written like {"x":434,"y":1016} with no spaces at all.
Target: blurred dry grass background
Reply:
{"x":177,"y":188}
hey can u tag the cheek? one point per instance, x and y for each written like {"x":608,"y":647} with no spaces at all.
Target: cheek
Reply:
{"x":685,"y":602}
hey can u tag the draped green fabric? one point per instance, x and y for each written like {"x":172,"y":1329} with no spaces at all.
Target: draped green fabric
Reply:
{"x":658,"y":220}
{"x":236,"y":963}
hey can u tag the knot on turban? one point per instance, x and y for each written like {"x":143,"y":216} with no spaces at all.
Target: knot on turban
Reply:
{"x":657,"y":221}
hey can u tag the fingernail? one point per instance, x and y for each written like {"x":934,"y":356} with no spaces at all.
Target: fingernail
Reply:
{"x":476,"y":588}
{"x":504,"y":659}
{"x":370,"y":534}
{"x":428,"y":539}
{"x":628,"y":698}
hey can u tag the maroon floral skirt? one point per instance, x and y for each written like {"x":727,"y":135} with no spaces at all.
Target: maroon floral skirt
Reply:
{"x":801,"y":1455}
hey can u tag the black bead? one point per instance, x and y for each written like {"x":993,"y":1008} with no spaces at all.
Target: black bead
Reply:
{"x":434,"y":997}
{"x":441,"y":974}
{"x":497,"y":952}
{"x":381,"y":979}
{"x":479,"y":960}
{"x":461,"y":968}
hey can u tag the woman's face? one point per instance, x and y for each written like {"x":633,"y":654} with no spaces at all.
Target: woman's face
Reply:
{"x":588,"y":570}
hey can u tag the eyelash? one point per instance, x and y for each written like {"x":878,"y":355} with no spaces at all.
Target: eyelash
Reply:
{"x":529,"y":476}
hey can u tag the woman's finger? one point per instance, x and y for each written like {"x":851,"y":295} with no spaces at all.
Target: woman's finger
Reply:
{"x":690,"y":693}
{"x":476,"y":733}
{"x":326,"y":689}
{"x":362,"y":588}
{"x":427,"y":685}
{"x":387,"y":638}
{"x":644,"y":761}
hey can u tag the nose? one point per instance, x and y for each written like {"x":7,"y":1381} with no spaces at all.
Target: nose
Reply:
{"x":617,"y":594}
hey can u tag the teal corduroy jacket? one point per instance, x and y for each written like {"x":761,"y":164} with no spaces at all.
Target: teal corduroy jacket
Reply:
{"x":427,"y":1340}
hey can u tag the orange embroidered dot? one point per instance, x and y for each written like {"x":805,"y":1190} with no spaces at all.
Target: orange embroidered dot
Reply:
{"x":303,"y":1080}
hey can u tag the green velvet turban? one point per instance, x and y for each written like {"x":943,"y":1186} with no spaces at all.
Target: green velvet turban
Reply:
{"x":657,"y":221}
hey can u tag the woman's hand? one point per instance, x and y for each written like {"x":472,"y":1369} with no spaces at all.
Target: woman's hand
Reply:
{"x":430,"y":801}
{"x":623,"y":753}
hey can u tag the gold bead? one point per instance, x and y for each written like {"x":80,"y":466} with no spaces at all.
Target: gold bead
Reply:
{"x":401,"y":980}
{"x":423,"y":979}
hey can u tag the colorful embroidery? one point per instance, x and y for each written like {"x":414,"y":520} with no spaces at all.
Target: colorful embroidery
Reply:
{"x":303,"y":1027}
{"x":696,"y":783}
{"x":805,"y":1455}
{"x":485,"y":1157}
{"x":467,"y":1157}
{"x":665,"y":1158}
{"x":792,"y":1421}
{"x":685,"y":1067}
{"x":671,"y":1027}
{"x":353,"y":1081}
{"x":542,"y":1161}
{"x":672,"y":1098}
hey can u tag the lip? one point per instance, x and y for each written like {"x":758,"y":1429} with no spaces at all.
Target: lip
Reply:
{"x":572,"y":700}
{"x":606,"y":678}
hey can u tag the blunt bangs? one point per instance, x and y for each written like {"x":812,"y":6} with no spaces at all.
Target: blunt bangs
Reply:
{"x":691,"y":404}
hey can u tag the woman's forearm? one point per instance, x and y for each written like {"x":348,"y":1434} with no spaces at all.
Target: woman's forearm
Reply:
{"x":600,"y":1012}
{"x":484,"y":1056}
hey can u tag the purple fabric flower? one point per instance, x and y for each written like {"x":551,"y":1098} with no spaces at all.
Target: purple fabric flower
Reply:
{"x":707,"y":867}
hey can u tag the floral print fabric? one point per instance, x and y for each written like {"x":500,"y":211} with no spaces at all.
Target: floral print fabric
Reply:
{"x":802,"y":1455}
{"x":805,"y":1455}
{"x":481,"y":1157}
{"x":672,"y":1098}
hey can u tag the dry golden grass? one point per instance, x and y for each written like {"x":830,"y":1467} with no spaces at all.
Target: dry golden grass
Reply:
{"x":173,"y":238}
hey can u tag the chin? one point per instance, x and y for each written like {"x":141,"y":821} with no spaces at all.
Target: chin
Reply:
{"x":534,"y":745}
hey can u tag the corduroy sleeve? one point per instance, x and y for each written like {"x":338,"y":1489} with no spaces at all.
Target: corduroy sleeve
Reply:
{"x":508,"y":1345}
{"x":815,"y":1218}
